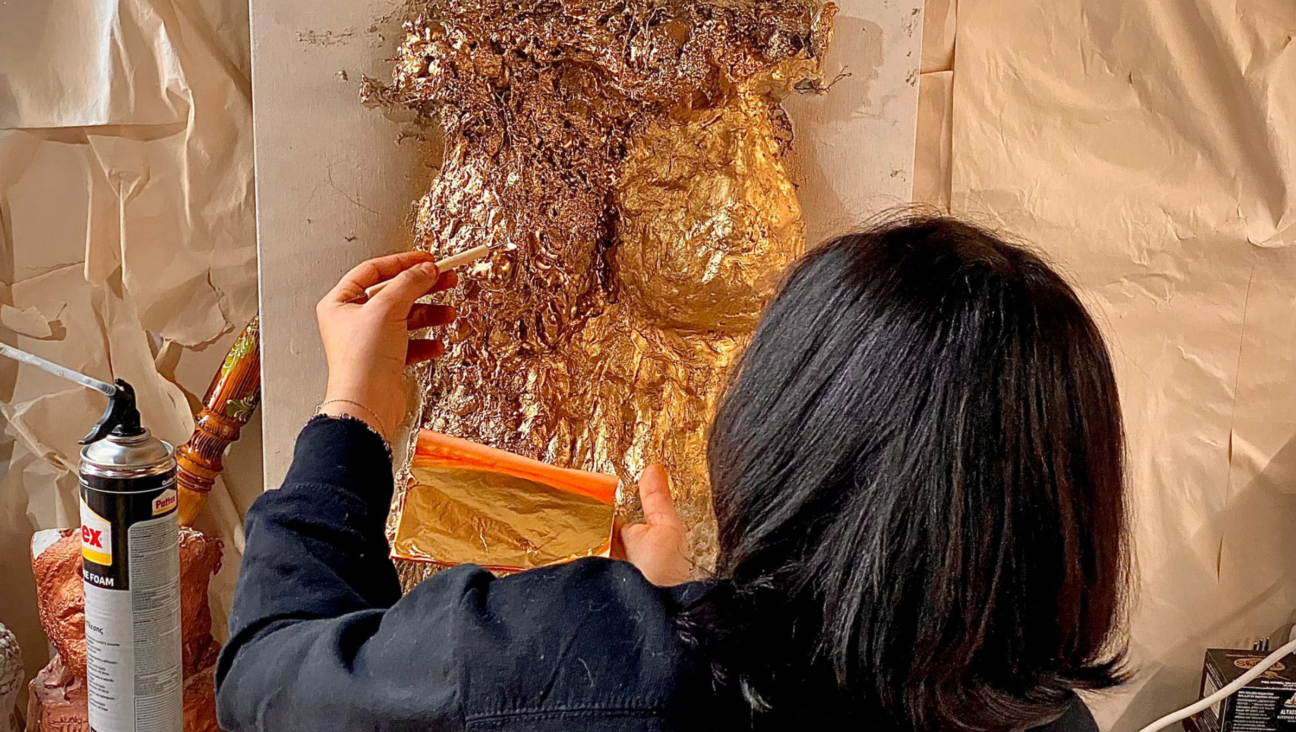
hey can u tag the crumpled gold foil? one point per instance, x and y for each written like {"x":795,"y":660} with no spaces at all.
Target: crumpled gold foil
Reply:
{"x":707,"y":218}
{"x":625,"y":159}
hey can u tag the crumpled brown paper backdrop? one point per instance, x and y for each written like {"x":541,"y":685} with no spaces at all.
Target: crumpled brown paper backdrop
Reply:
{"x":127,"y":245}
{"x":1149,"y":148}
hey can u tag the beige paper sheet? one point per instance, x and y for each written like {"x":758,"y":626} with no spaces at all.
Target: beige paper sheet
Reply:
{"x":1149,"y":148}
{"x":932,"y":148}
{"x":127,"y":245}
{"x":853,"y":153}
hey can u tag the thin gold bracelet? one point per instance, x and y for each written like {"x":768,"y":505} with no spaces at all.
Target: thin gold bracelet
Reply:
{"x":377,"y":420}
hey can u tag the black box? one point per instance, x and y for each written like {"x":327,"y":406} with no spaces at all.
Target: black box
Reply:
{"x":1267,"y":704}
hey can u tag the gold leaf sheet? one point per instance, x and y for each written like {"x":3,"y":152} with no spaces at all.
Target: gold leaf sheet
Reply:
{"x":465,"y":515}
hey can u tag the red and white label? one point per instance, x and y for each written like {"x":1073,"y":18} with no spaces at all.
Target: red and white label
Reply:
{"x":165,"y":502}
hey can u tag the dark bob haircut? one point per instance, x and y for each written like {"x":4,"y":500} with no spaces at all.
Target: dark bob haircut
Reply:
{"x":918,"y":476}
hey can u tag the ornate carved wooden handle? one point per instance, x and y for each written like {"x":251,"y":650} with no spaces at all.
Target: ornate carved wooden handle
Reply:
{"x":231,"y":399}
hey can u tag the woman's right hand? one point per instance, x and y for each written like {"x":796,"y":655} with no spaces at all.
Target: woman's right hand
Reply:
{"x":367,"y":340}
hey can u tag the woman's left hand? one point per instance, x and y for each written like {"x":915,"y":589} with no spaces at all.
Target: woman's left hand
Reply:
{"x":367,"y":341}
{"x":658,"y":546}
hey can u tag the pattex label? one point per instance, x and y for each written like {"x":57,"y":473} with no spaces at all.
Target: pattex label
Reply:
{"x":164,"y":503}
{"x":109,"y":508}
{"x":96,"y":537}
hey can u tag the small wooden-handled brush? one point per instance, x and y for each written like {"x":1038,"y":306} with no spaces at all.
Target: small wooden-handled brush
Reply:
{"x":445,"y":265}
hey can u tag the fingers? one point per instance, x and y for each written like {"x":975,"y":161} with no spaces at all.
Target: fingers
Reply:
{"x":397,"y":298}
{"x":655,"y":497}
{"x":428,"y":316}
{"x":422,"y":349}
{"x":446,"y":281}
{"x":371,"y":272}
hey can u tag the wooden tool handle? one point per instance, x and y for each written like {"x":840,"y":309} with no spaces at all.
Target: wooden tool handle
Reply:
{"x":231,"y":399}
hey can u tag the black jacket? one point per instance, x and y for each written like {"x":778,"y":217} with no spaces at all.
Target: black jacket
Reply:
{"x":321,"y":639}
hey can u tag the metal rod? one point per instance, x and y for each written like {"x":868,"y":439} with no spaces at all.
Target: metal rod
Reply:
{"x":60,"y":371}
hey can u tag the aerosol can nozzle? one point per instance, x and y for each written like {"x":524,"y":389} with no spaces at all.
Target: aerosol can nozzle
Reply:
{"x":121,"y":418}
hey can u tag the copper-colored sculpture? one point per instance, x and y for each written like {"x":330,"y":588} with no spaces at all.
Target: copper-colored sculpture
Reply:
{"x":625,"y":159}
{"x":57,"y":696}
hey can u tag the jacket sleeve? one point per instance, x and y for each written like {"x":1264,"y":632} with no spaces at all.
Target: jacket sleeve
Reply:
{"x":320,"y":638}
{"x":1077,"y":718}
{"x":308,"y":648}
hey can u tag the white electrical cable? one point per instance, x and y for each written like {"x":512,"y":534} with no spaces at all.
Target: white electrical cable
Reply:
{"x":1224,"y":692}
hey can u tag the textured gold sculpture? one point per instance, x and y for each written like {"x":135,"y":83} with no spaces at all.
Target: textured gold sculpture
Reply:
{"x":626,"y":159}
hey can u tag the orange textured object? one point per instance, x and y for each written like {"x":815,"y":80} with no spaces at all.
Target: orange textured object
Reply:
{"x":231,"y":399}
{"x":57,"y":696}
{"x":56,"y":701}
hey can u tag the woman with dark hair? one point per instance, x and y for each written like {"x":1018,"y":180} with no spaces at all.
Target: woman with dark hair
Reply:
{"x":917,"y":472}
{"x":918,"y":477}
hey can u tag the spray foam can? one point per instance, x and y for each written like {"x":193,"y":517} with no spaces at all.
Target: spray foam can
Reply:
{"x":131,"y":568}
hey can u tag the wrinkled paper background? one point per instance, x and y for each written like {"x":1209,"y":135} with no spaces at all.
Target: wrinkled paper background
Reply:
{"x":1149,"y":148}
{"x":127,"y":247}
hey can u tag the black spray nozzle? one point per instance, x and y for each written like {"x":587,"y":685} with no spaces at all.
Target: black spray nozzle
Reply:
{"x":121,"y":418}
